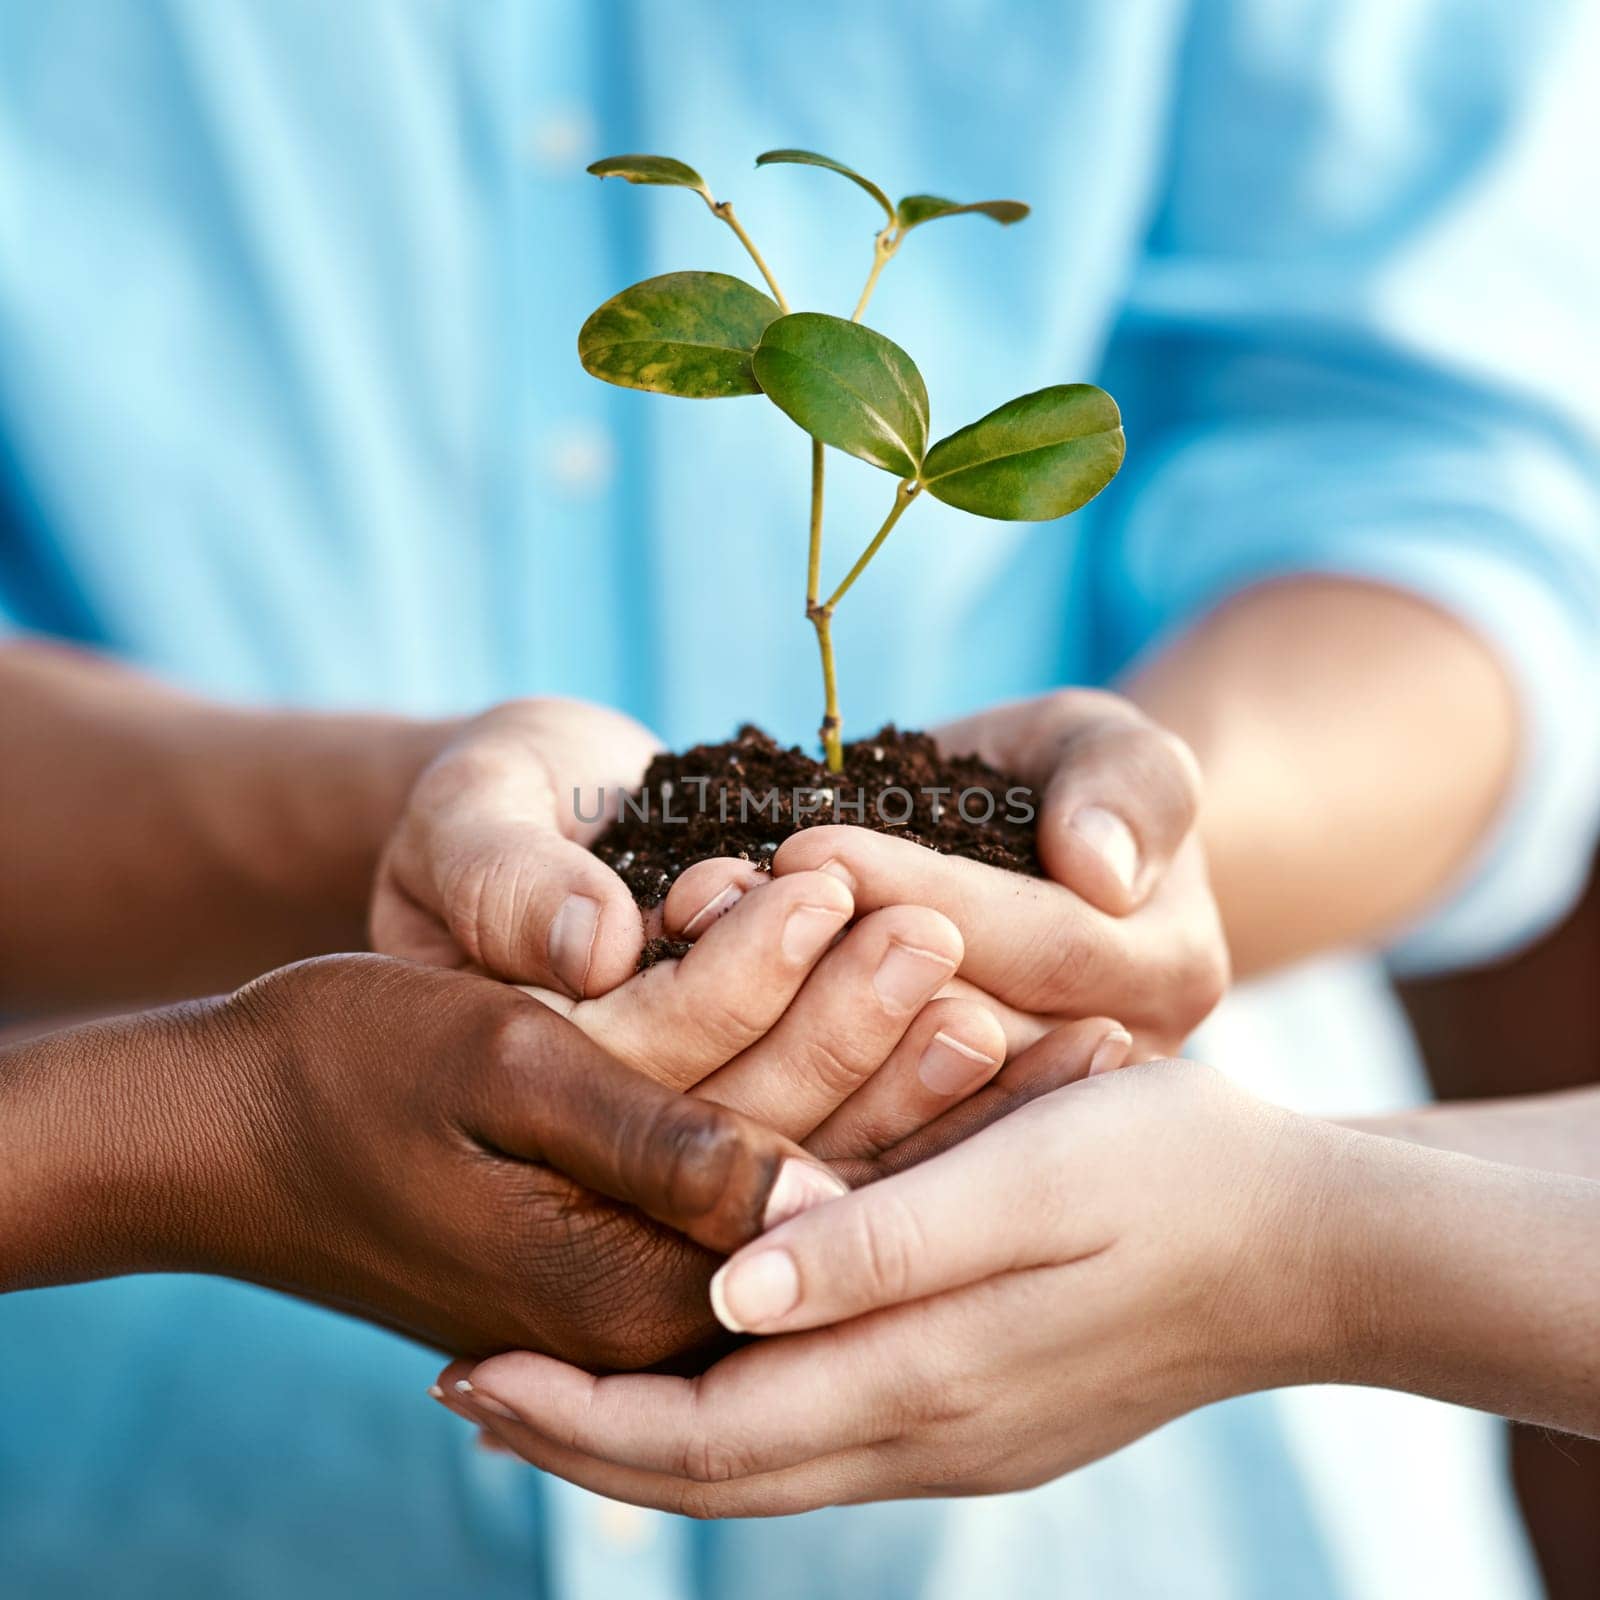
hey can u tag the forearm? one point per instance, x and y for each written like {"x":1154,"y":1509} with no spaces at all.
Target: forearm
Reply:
{"x":91,"y":1166}
{"x":1355,"y":744}
{"x":1552,"y":1132}
{"x":154,"y":845}
{"x":1465,"y":1280}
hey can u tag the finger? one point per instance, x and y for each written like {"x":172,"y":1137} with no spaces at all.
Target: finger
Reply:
{"x":548,"y":1093}
{"x":680,"y":1020}
{"x":707,"y":890}
{"x":1029,"y":941}
{"x":848,"y":1477}
{"x":1072,"y":1052}
{"x":1119,"y":792}
{"x":1122,"y":799}
{"x":482,"y":861}
{"x":846,"y":1021}
{"x":990,"y":1205}
{"x":826,"y":1418}
{"x":759,"y":1411}
{"x":1023,"y":1029}
{"x":952,"y":1049}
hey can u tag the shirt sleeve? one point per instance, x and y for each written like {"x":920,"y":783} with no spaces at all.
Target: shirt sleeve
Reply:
{"x":1362,"y":341}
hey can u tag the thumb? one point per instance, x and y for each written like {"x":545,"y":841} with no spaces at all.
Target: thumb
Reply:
{"x":935,"y":1227}
{"x":1120,"y":794}
{"x":1124,"y":796}
{"x":482,"y":870}
{"x":554,"y":1096}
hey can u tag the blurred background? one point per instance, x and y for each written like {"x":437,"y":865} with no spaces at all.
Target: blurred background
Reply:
{"x":290,"y":412}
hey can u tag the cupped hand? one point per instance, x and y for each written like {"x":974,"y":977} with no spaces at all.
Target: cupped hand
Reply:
{"x":785,"y":1010}
{"x":1110,"y":1256}
{"x":1125,"y":925}
{"x":439,"y":1154}
{"x":490,"y":865}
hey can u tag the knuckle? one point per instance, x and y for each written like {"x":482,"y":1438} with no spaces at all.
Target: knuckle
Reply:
{"x":1153,"y":766}
{"x":1048,"y":974}
{"x":835,"y":1066}
{"x":724,"y":1023}
{"x":689,"y":1147}
{"x":616,"y":1293}
{"x":1072,"y":708}
{"x":1201,"y":982}
{"x":1185,"y":765}
{"x":888,"y":1241}
{"x":509,"y":1037}
{"x":706,"y":1459}
{"x":857,"y":1145}
{"x":487,"y":900}
{"x":1170,"y":776}
{"x":464,"y":898}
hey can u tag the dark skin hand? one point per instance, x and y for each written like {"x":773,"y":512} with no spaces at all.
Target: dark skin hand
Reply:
{"x":235,"y":1137}
{"x":533,"y":1192}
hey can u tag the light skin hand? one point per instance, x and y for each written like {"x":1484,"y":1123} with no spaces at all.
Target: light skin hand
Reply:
{"x":1147,"y":1243}
{"x":1124,"y":926}
{"x":490,"y":867}
{"x":826,"y":1032}
{"x":785,"y":1012}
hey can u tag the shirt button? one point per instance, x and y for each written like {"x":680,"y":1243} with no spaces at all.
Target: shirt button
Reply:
{"x":579,"y":457}
{"x":624,"y":1527}
{"x":560,"y":140}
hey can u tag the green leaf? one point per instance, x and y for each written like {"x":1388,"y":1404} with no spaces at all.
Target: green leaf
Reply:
{"x":919,"y":208}
{"x":650,"y":169}
{"x":847,"y":386}
{"x":1037,"y":457}
{"x":688,"y":334}
{"x":809,"y":158}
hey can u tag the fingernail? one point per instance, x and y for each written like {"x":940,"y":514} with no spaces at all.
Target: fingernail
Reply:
{"x":837,"y":869}
{"x":1111,"y":1052}
{"x":950,"y":1067}
{"x":435,"y":1392}
{"x":809,"y":931}
{"x":797,"y":1188}
{"x":907,"y":976}
{"x":477,"y":1397}
{"x":754,"y":1290}
{"x":572,"y":932}
{"x":715,"y":907}
{"x":1105,"y":832}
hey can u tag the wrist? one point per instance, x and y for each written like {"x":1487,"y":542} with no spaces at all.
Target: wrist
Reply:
{"x":283,"y":818}
{"x":1300,"y":1264}
{"x":1399,"y":1230}
{"x":97,"y":1169}
{"x":337,"y":785}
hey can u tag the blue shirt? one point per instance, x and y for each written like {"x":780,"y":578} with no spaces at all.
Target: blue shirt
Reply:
{"x":290,"y":411}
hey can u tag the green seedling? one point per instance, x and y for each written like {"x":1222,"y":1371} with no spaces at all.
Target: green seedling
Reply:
{"x":705,"y":336}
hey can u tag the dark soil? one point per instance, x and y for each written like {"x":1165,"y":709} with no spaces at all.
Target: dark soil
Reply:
{"x":744,"y":797}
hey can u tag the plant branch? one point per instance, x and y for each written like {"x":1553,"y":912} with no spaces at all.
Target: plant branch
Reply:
{"x":903,"y":496}
{"x":883,"y":248}
{"x":722,"y":210}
